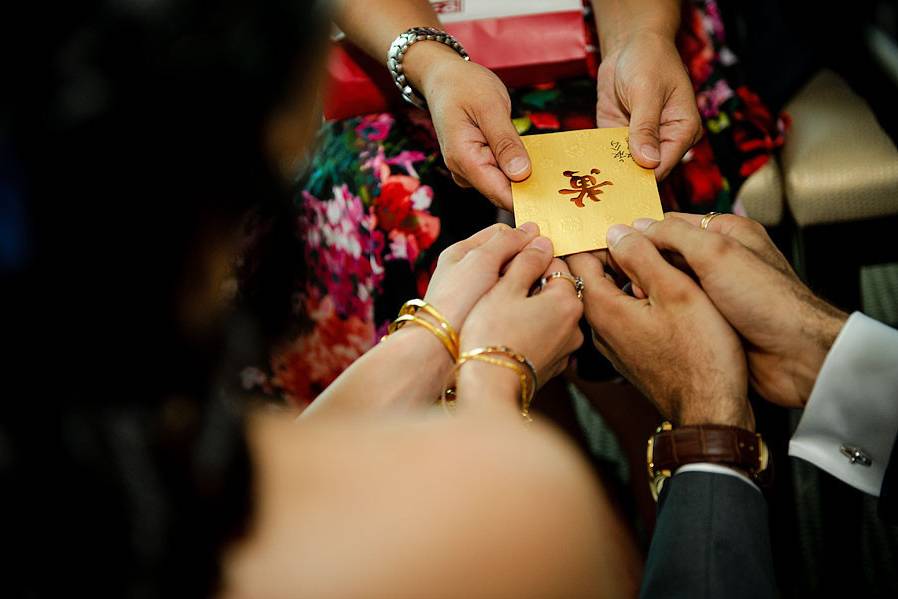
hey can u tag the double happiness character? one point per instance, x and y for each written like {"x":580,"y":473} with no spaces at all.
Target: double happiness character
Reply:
{"x":584,"y":186}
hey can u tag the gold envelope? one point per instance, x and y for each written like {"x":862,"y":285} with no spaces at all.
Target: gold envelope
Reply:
{"x":583,"y":182}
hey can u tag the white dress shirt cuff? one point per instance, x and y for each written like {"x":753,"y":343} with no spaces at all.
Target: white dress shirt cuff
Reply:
{"x":854,"y":403}
{"x":715,"y":469}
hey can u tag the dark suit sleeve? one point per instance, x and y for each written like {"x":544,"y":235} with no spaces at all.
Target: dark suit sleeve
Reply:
{"x":711,"y":540}
{"x":888,"y":495}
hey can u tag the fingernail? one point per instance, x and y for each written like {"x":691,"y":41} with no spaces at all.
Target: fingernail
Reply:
{"x":542,"y":244}
{"x":616,"y":233}
{"x":516,"y":166}
{"x":641,"y":224}
{"x":529,"y":228}
{"x":651,"y":152}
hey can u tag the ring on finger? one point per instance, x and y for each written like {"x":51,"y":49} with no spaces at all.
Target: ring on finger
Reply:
{"x":577,"y":282}
{"x":706,"y":220}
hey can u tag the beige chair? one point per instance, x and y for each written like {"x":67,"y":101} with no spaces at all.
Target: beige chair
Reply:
{"x":762,"y":194}
{"x":838,"y":175}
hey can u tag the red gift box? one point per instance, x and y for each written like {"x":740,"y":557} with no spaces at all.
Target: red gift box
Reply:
{"x":521,"y":50}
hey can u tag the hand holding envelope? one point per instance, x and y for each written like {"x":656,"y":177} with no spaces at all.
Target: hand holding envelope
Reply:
{"x":584,"y":182}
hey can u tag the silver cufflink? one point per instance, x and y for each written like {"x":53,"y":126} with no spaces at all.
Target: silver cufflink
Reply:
{"x":855,"y":455}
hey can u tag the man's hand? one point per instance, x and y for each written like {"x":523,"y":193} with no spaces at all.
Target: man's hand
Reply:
{"x":471,"y":113}
{"x":787,"y":330}
{"x":673,"y":345}
{"x":643,"y":84}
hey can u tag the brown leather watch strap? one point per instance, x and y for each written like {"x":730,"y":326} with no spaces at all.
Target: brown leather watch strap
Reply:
{"x":714,"y":444}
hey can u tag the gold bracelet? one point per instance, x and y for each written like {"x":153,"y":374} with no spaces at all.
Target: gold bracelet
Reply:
{"x":508,"y":353}
{"x":413,"y":306}
{"x":513,"y":361}
{"x":442,"y":329}
{"x":437,"y":332}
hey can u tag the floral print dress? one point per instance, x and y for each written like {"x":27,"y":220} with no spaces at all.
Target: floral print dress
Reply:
{"x":379,"y":205}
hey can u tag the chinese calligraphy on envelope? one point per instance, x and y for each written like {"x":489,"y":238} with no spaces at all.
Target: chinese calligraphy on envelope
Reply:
{"x":583,"y":182}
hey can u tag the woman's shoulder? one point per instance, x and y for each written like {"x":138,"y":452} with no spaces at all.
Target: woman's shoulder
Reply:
{"x":406,"y":504}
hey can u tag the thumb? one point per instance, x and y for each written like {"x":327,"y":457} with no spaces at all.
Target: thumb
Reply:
{"x":504,"y":141}
{"x":644,"y":265}
{"x":645,"y":138}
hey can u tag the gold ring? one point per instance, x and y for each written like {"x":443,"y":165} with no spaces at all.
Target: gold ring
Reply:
{"x":577,"y":282}
{"x":706,"y":220}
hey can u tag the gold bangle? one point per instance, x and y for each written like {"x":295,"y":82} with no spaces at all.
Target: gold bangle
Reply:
{"x":413,"y":306}
{"x":513,"y":361}
{"x":437,"y":332}
{"x":509,"y":353}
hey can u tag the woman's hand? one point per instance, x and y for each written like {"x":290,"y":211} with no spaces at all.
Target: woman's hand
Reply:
{"x":471,"y":113}
{"x":643,"y":84}
{"x":470,"y":268}
{"x":544,"y":327}
{"x":673,"y":345}
{"x":409,"y":368}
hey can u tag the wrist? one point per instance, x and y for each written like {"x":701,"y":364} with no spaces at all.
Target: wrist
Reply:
{"x":651,"y":35}
{"x":732,"y":412}
{"x":819,"y":329}
{"x":487,"y":383}
{"x":425,"y":349}
{"x":422,"y":64}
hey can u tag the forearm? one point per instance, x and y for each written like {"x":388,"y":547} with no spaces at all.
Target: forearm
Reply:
{"x":407,"y":371}
{"x":374,"y":24}
{"x":617,"y":20}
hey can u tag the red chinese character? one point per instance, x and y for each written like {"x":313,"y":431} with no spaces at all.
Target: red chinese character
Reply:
{"x":584,"y":186}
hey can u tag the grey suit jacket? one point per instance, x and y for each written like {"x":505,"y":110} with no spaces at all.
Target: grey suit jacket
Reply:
{"x":711,"y":540}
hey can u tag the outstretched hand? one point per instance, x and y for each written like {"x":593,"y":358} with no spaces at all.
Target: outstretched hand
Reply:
{"x":643,"y":85}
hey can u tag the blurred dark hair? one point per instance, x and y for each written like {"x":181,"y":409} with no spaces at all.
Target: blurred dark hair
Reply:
{"x":135,"y":131}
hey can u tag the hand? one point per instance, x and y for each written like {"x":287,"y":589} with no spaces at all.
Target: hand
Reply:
{"x":673,"y":345}
{"x":787,"y":329}
{"x":467,"y":270}
{"x":471,"y":113}
{"x":544,"y":327}
{"x":643,"y":84}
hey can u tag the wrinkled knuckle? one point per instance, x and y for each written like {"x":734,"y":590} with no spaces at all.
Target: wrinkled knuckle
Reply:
{"x":662,"y":227}
{"x":647,"y":130}
{"x":680,"y":293}
{"x":453,"y":253}
{"x":755,"y":228}
{"x":505,"y":235}
{"x":533,"y":258}
{"x":478,"y":254}
{"x":504,"y":145}
{"x":719,"y":245}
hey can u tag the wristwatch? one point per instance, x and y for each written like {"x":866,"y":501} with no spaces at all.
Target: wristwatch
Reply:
{"x":669,"y":448}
